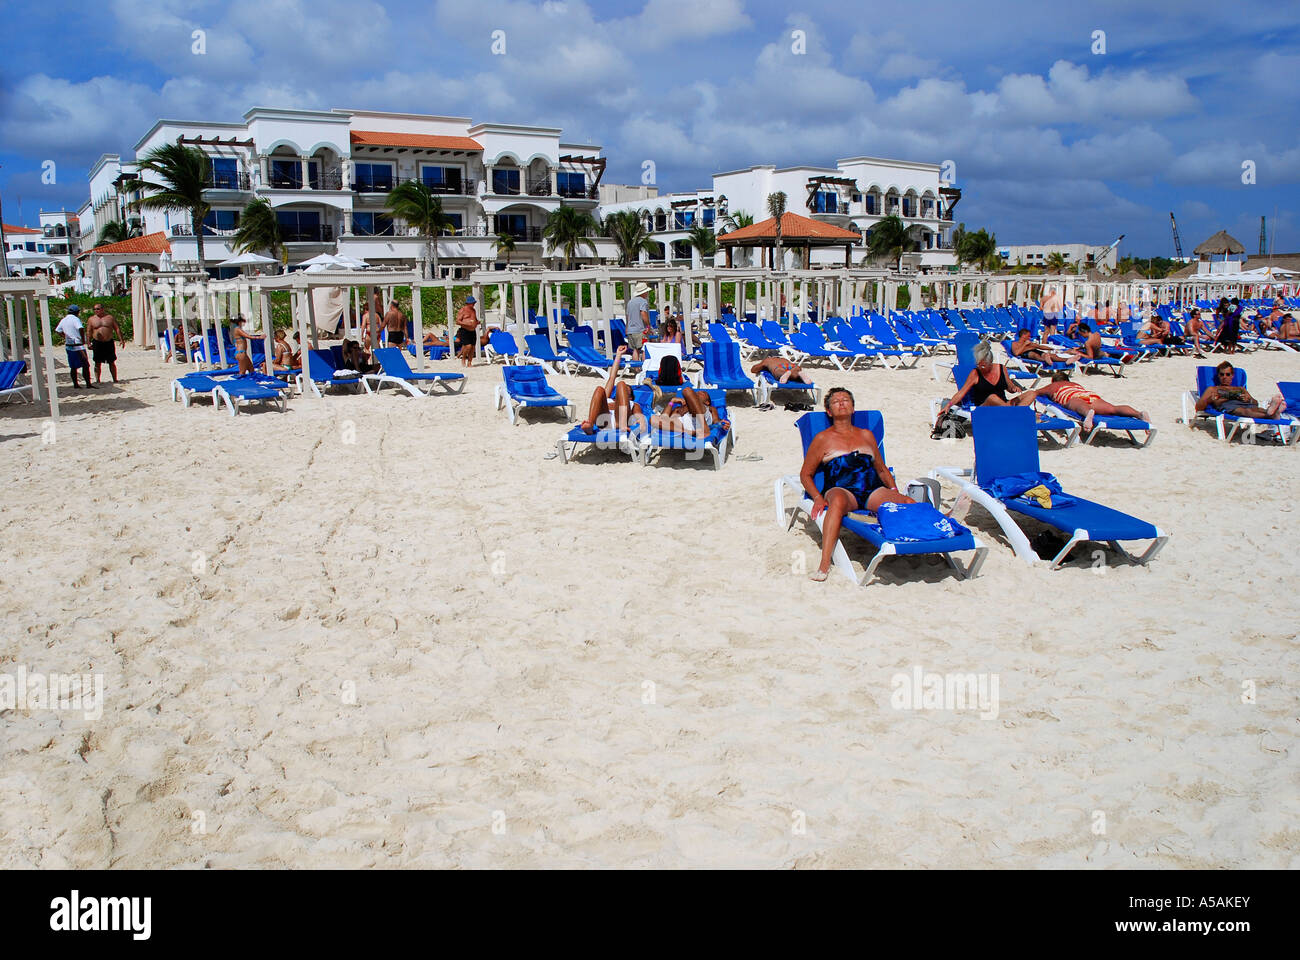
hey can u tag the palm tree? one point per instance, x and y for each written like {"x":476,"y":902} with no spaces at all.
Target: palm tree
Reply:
{"x":776,"y":207}
{"x":413,"y":202}
{"x":258,"y":230}
{"x":735,"y":221}
{"x":1055,"y":262}
{"x":184,"y":173}
{"x":115,"y":231}
{"x":627,"y":229}
{"x":888,"y":240}
{"x":980,"y":247}
{"x":958,"y":240}
{"x":505,"y":244}
{"x":568,"y":229}
{"x":703,"y":240}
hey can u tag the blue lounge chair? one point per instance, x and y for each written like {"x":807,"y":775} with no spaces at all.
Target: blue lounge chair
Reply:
{"x":771,"y":385}
{"x":1006,"y":458}
{"x":1113,"y":423}
{"x":773,"y":331}
{"x":1229,"y":425}
{"x":609,"y":437}
{"x":434,"y":351}
{"x":398,"y":372}
{"x":249,"y":388}
{"x":539,"y":349}
{"x":716,"y":443}
{"x":755,"y":337}
{"x":583,"y":352}
{"x":10,"y":371}
{"x":723,"y":371}
{"x":501,"y":346}
{"x":323,"y":368}
{"x":1036,"y":367}
{"x":526,"y":386}
{"x":810,"y":424}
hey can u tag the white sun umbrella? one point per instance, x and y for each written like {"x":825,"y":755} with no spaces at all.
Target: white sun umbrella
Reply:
{"x":247,"y":260}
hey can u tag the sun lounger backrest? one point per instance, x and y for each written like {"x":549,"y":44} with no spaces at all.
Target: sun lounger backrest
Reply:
{"x":965,"y":343}
{"x":1205,"y":378}
{"x":393,"y":361}
{"x":528,"y":380}
{"x":10,"y":371}
{"x":1290,"y":391}
{"x":503,"y":343}
{"x":721,"y":361}
{"x":1006,"y":442}
{"x":719,"y":333}
{"x":320,"y":365}
{"x":540,"y":347}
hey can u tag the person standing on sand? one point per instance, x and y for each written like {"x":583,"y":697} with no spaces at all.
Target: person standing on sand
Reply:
{"x":395,"y":323}
{"x":466,"y":329}
{"x":74,"y":340}
{"x":102,"y":328}
{"x":638,"y":319}
{"x":1051,"y":311}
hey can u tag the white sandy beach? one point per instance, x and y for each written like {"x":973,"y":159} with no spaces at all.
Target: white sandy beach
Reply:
{"x":499,"y":615}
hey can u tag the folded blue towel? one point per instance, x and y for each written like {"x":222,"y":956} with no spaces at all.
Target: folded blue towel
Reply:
{"x":914,"y":522}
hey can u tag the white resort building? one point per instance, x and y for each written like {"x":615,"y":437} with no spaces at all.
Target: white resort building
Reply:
{"x":1098,"y":256}
{"x":327,"y":175}
{"x":855,"y":194}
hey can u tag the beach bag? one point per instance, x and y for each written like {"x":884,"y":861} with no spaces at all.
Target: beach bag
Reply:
{"x":949,"y":426}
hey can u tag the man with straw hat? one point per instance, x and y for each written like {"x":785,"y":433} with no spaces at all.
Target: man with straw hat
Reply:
{"x":638,"y":319}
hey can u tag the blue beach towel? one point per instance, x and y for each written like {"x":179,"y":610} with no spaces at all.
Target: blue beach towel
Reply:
{"x":915,"y":522}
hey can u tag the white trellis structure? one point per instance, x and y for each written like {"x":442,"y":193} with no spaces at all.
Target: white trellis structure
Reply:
{"x":26,"y":334}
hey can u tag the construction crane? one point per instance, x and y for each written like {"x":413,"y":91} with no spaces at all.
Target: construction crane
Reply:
{"x":1178,"y":244}
{"x":1262,"y":249}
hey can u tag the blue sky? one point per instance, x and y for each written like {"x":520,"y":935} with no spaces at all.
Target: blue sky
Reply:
{"x":1052,"y":141}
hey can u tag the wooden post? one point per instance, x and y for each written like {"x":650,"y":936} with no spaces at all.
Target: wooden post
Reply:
{"x":417,"y":323}
{"x":47,"y":338}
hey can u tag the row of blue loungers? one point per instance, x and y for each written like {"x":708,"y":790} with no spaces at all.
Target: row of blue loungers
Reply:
{"x":1006,"y":467}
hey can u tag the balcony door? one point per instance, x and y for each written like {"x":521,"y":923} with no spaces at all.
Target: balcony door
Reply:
{"x":440,"y":179}
{"x":299,"y":226}
{"x":505,"y":182}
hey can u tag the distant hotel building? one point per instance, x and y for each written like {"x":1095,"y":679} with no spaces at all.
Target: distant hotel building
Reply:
{"x":1092,"y":256}
{"x":327,"y":175}
{"x":854,"y":194}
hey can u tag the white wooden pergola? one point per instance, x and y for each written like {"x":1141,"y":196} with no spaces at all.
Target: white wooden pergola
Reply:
{"x":26,"y":335}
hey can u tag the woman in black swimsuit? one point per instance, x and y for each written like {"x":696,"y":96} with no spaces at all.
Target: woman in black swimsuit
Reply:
{"x":989,"y":385}
{"x":855,"y":474}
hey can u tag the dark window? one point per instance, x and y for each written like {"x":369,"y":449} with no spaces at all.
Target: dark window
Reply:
{"x":684,"y":219}
{"x":505,"y":182}
{"x":441,"y":179}
{"x":372,"y":224}
{"x":219,"y":220}
{"x":825,"y":202}
{"x":571,"y":184}
{"x":456,"y":220}
{"x":708,"y":216}
{"x":514,"y":224}
{"x":286,"y":174}
{"x":299,"y":225}
{"x":871,"y":203}
{"x":225,"y":173}
{"x":373,"y":177}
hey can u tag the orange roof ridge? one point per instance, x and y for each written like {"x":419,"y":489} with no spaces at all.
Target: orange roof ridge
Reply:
{"x":151,"y":243}
{"x":380,"y":138}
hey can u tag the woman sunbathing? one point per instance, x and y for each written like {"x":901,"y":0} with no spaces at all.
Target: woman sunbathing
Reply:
{"x":1236,"y":401}
{"x":613,"y":398}
{"x":1074,"y":397}
{"x":855,"y":474}
{"x":988,"y":384}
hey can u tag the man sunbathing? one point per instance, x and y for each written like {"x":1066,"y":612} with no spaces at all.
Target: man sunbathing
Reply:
{"x":1287,"y":328}
{"x":1195,"y":328}
{"x":782,"y":369}
{"x":1074,"y":397}
{"x":1237,"y":401}
{"x":1028,"y":349}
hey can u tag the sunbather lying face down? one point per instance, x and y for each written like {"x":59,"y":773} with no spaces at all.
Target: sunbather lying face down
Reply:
{"x":1226,"y":398}
{"x":855,"y":474}
{"x":781,"y":368}
{"x":1074,"y":397}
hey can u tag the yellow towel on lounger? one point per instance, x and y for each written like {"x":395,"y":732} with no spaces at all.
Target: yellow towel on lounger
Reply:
{"x":1040,"y":495}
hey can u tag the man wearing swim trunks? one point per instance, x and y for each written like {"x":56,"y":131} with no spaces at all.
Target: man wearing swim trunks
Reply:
{"x":1052,"y":302}
{"x":395,"y":323}
{"x":466,"y":326}
{"x":1073,"y":397}
{"x":102,"y":328}
{"x":74,"y":340}
{"x":779,"y":367}
{"x":1237,"y":401}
